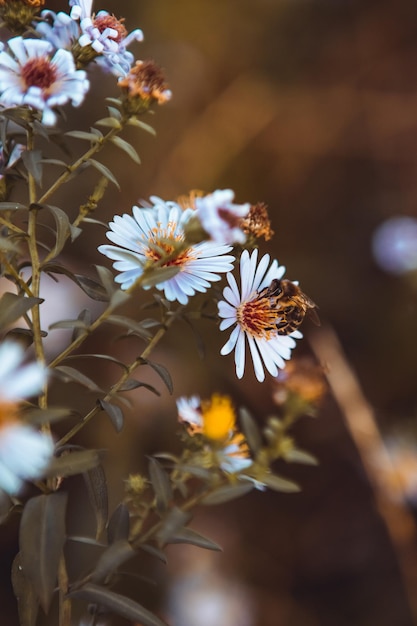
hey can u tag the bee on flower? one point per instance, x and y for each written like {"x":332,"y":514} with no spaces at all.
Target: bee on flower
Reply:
{"x":24,"y":452}
{"x":215,"y":420}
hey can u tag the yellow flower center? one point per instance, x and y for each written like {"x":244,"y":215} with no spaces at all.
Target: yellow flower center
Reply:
{"x":257,"y":317}
{"x":219,"y":417}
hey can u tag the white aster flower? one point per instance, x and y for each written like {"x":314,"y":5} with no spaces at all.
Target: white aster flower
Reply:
{"x":156,"y":233}
{"x":31,"y":77}
{"x":215,"y":419}
{"x":24,"y":452}
{"x":59,"y":29}
{"x":254,"y":318}
{"x":220,"y":218}
{"x":106,"y":35}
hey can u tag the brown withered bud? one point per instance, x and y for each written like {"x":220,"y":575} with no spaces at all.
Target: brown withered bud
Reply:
{"x":18,"y":14}
{"x":257,"y":224}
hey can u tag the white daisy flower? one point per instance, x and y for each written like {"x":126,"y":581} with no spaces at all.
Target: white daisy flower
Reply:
{"x":106,"y":35}
{"x":254,"y":318}
{"x":24,"y":452}
{"x":155,"y":233}
{"x":215,"y":419}
{"x":220,"y":218}
{"x":31,"y":77}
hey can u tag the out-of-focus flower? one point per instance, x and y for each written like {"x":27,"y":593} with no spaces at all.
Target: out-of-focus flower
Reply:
{"x":24,"y":452}
{"x":59,"y":29}
{"x":18,"y":14}
{"x":303,"y":378}
{"x":8,"y":158}
{"x":254,"y":317}
{"x":144,"y":84}
{"x":220,"y":218}
{"x":257,"y":223}
{"x":394,"y":245}
{"x":155,"y":236}
{"x":106,"y":35}
{"x":31,"y":77}
{"x":215,"y":419}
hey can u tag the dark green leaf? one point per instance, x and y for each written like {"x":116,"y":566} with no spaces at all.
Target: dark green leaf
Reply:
{"x":132,"y":383}
{"x":104,"y":170}
{"x":126,"y":147}
{"x":115,"y":414}
{"x":118,"y":298}
{"x":159,"y":554}
{"x":250,"y":430}
{"x":85,"y":317}
{"x":120,"y":605}
{"x":69,"y":374}
{"x":92,"y":288}
{"x":119,"y":524}
{"x":134,"y":327}
{"x":158,"y":275}
{"x":174,"y":520}
{"x":13,"y":306}
{"x":41,"y":539}
{"x":96,"y":483}
{"x":114,"y":112}
{"x":109,"y":122}
{"x":115,"y":555}
{"x":74,"y":462}
{"x":63,"y":230}
{"x":104,"y":357}
{"x":162,"y":371}
{"x":186,"y":535}
{"x":46,"y":416}
{"x":107,"y":279}
{"x":139,"y":124}
{"x":300,"y":456}
{"x":54,"y":162}
{"x":229,"y":492}
{"x":32,"y":160}
{"x":27,"y":601}
{"x":161,"y":485}
{"x":66,"y":324}
{"x":280,"y":484}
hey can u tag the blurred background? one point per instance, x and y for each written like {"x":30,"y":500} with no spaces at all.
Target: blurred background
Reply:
{"x":311,"y":107}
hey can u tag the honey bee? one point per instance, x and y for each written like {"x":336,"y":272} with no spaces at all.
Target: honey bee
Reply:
{"x":292,"y":305}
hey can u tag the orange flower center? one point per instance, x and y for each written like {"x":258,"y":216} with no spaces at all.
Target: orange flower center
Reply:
{"x":9,"y":412}
{"x":166,"y":246}
{"x":257,"y":317}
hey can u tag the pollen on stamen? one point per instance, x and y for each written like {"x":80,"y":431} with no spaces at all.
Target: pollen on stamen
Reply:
{"x":110,"y":21}
{"x":257,"y":317}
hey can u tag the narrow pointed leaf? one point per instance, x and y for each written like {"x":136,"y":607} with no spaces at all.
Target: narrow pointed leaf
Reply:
{"x":32,"y":160}
{"x":134,"y":327}
{"x":96,"y":483}
{"x":81,"y":134}
{"x":175,"y":520}
{"x":104,"y":171}
{"x":300,"y":456}
{"x":280,"y":484}
{"x":227,"y":493}
{"x":162,"y":371}
{"x":161,"y":485}
{"x":12,"y":206}
{"x":126,"y":147}
{"x":13,"y":306}
{"x":119,"y":524}
{"x":115,"y":555}
{"x":120,"y":605}
{"x":41,"y":539}
{"x":115,"y":414}
{"x":187,"y":535}
{"x":69,"y":374}
{"x":107,"y":279}
{"x":139,"y":124}
{"x":250,"y":430}
{"x":72,"y":462}
{"x":132,"y":383}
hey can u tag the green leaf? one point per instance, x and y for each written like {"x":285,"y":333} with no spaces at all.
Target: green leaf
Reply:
{"x":85,"y":317}
{"x":32,"y":160}
{"x":135,"y":328}
{"x":27,"y":601}
{"x":44,"y":416}
{"x":175,"y":520}
{"x":109,"y":122}
{"x":227,"y":493}
{"x":114,"y":112}
{"x":126,"y":147}
{"x":161,"y":485}
{"x":115,"y":414}
{"x":115,"y":555}
{"x":157,"y":275}
{"x":63,"y":231}
{"x":280,"y":484}
{"x":91,"y":287}
{"x":12,"y":206}
{"x":300,"y":456}
{"x":104,"y":171}
{"x":69,"y":374}
{"x":139,"y":124}
{"x":250,"y":430}
{"x":41,"y":539}
{"x":72,"y":462}
{"x":119,"y":524}
{"x":96,"y":483}
{"x":159,"y":554}
{"x":65,"y":324}
{"x":107,"y":279}
{"x":13,"y":306}
{"x":132,"y":383}
{"x":187,"y":535}
{"x":162,"y":371}
{"x":81,"y":134}
{"x":118,"y":298}
{"x":120,"y":605}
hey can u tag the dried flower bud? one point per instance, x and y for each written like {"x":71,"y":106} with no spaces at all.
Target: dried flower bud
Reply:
{"x":18,"y":14}
{"x":144,"y":85}
{"x":302,"y":378}
{"x":257,"y":224}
